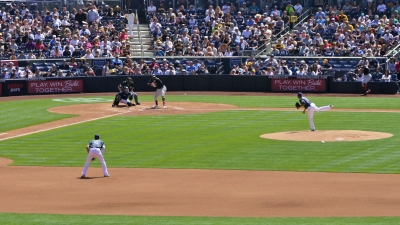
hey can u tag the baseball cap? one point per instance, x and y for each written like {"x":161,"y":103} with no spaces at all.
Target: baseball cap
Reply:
{"x":299,"y":94}
{"x":96,"y":136}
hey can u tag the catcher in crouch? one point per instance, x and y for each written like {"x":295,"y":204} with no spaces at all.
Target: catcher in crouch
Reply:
{"x":311,"y":107}
{"x":131,"y":85}
{"x":124,"y":96}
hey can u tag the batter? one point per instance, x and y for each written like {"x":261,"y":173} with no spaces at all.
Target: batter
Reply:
{"x":311,"y":107}
{"x":161,"y":90}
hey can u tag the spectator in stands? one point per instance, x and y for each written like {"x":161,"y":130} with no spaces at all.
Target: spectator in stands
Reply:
{"x":298,"y":8}
{"x":151,"y":9}
{"x":30,"y":55}
{"x":21,"y":55}
{"x":386,"y":77}
{"x":64,"y":65}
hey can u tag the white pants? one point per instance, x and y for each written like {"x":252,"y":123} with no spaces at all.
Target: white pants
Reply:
{"x":161,"y":92}
{"x":130,"y":27}
{"x":367,"y":78}
{"x":311,"y":110}
{"x":95,"y":153}
{"x":125,"y":101}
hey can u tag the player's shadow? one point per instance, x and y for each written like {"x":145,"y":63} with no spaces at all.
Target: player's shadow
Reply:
{"x":89,"y":178}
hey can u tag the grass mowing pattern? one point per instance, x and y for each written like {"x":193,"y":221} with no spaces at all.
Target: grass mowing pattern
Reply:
{"x":25,"y":113}
{"x":221,"y":140}
{"x":44,"y":219}
{"x":233,"y":143}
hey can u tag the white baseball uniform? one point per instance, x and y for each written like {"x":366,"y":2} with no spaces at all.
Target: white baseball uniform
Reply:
{"x":96,"y":152}
{"x":311,"y":107}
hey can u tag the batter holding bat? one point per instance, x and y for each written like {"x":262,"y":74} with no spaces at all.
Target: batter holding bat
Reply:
{"x":161,"y":89}
{"x":311,"y":107}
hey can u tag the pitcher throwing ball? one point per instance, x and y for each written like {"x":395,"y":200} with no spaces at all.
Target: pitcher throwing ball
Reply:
{"x":161,"y":89}
{"x":311,"y":107}
{"x":96,"y":149}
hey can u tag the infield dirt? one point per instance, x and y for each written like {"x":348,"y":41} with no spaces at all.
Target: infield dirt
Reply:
{"x":188,"y":192}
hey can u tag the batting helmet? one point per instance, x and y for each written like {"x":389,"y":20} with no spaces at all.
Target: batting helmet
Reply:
{"x":96,"y":136}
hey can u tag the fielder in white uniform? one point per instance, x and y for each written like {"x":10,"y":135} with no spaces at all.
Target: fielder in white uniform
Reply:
{"x":95,"y":149}
{"x":311,"y":107}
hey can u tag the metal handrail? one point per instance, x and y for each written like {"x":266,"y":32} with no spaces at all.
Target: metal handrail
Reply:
{"x":265,"y":45}
{"x":391,"y":51}
{"x":139,"y":34}
{"x":389,"y":54}
{"x":303,"y":17}
{"x":308,"y":11}
{"x":285,"y":31}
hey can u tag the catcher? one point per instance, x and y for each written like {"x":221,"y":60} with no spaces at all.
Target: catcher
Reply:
{"x":311,"y":107}
{"x":124,"y":96}
{"x":131,"y":85}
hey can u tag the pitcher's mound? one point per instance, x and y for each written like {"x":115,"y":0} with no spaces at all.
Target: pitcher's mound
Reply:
{"x":327,"y":135}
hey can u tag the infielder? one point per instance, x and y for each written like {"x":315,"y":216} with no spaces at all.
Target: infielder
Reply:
{"x":131,"y":85}
{"x":366,"y":78}
{"x":161,"y":89}
{"x":95,"y":148}
{"x":124,"y":96}
{"x":311,"y":107}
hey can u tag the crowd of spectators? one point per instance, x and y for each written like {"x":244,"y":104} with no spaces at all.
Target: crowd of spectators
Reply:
{"x":85,"y":33}
{"x":347,"y":30}
{"x":226,"y":30}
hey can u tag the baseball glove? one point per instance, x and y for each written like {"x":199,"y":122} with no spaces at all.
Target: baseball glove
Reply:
{"x":297,"y":105}
{"x":93,"y":159}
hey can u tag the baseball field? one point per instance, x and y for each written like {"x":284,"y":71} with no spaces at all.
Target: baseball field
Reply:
{"x":209,"y":158}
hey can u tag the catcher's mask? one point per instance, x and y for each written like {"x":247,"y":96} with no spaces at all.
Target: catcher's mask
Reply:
{"x":126,"y":89}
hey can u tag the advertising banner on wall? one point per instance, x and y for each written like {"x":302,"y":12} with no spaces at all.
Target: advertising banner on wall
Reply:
{"x":298,"y":84}
{"x":14,"y":87}
{"x":55,"y":86}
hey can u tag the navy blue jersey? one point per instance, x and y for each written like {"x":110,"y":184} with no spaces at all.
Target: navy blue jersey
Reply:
{"x":124,"y":95}
{"x":304,"y":101}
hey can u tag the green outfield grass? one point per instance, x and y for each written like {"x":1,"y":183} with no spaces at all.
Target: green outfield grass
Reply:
{"x":43,"y":219}
{"x":219,"y":140}
{"x":24,"y":113}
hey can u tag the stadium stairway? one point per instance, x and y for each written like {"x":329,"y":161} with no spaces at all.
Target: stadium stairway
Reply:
{"x":144,"y":32}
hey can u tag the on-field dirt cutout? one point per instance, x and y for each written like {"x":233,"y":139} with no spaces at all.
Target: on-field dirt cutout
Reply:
{"x":187,"y":192}
{"x":327,"y":135}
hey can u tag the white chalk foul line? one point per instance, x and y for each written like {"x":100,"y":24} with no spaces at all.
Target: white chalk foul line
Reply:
{"x":66,"y":125}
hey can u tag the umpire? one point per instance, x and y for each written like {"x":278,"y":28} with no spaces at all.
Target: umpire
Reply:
{"x":131,"y":85}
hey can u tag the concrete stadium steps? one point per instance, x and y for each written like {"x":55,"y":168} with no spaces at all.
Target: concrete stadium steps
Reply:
{"x":135,"y":42}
